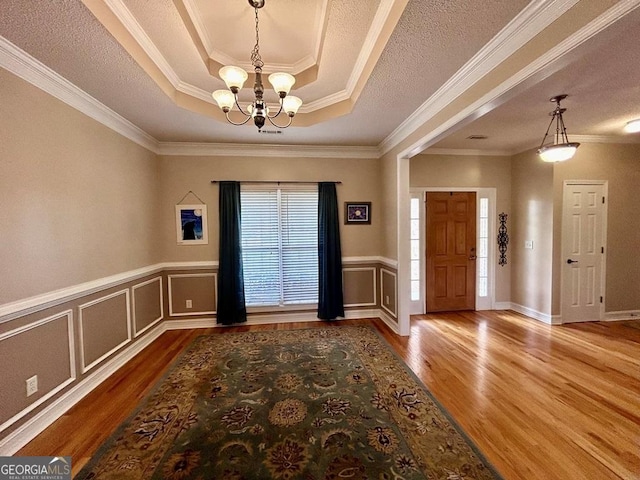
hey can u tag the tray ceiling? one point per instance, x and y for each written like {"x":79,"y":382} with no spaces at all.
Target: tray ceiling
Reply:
{"x":369,"y":73}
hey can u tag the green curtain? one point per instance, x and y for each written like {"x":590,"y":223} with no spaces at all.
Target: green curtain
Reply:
{"x":231,"y":304}
{"x":330,"y":299}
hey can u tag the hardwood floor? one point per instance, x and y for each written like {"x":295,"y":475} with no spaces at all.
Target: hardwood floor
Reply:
{"x":540,"y":402}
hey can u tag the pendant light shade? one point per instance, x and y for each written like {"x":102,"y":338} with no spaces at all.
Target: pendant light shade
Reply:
{"x":233,"y":77}
{"x":282,"y":82}
{"x":558,"y":153}
{"x":561,"y":149}
{"x":633,"y":126}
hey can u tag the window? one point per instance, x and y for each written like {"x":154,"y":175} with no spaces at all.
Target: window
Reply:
{"x":280,"y":244}
{"x":483,"y":250}
{"x":415,"y":249}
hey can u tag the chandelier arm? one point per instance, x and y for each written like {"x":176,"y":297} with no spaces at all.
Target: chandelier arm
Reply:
{"x":236,"y":123}
{"x":280,"y":126}
{"x":279,"y":112}
{"x":246,"y":114}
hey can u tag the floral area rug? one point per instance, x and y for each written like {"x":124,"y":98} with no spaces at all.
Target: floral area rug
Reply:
{"x":321,"y":403}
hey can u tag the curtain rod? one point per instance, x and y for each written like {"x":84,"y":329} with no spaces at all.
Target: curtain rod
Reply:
{"x":277,"y":182}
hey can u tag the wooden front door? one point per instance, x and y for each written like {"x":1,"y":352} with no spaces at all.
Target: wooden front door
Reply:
{"x":451,"y":251}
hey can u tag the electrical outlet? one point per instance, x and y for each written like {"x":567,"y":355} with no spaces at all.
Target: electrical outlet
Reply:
{"x":528,"y":244}
{"x":386,"y":300}
{"x":32,"y":385}
{"x":189,"y":304}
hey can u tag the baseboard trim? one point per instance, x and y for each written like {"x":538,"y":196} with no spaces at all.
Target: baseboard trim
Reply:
{"x":390,"y":322}
{"x":26,"y":432}
{"x":502,"y":306}
{"x":543,"y":317}
{"x":622,"y":315}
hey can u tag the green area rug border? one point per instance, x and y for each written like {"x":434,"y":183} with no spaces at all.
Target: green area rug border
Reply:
{"x":446,"y":413}
{"x":106,"y":444}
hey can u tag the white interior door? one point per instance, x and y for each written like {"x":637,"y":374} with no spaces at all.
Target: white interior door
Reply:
{"x":583,"y":237}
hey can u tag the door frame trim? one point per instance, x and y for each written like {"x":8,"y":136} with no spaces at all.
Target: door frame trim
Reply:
{"x":482,"y":303}
{"x":603,"y":273}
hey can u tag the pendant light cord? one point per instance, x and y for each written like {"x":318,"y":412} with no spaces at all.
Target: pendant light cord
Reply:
{"x":256,"y":59}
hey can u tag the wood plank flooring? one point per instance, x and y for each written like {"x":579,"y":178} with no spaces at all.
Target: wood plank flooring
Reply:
{"x":540,"y":402}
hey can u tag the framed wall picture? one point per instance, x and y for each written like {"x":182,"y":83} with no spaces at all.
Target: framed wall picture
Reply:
{"x":357,"y":212}
{"x":191,"y":224}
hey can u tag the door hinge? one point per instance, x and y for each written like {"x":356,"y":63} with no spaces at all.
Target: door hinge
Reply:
{"x":602,"y":199}
{"x":601,"y":249}
{"x":600,"y":299}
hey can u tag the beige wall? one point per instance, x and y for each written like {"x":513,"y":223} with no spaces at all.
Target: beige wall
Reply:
{"x":179,"y":174}
{"x":619,"y":165}
{"x":79,"y":201}
{"x":471,"y":171}
{"x":531,"y":219}
{"x":389,"y":191}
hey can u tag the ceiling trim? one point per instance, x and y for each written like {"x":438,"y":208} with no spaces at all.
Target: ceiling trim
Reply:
{"x":23,"y":65}
{"x":381,"y":20}
{"x":605,"y":138}
{"x":308,"y":61}
{"x":198,"y":24}
{"x":534,"y":18}
{"x":265,"y":150}
{"x":384,"y":22}
{"x":130,"y":23}
{"x":568,"y":44}
{"x":467,"y":152}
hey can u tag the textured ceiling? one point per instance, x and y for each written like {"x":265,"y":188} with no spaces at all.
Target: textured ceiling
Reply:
{"x":378,"y":77}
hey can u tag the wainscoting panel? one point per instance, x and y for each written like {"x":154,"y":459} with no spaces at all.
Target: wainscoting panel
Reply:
{"x":44,"y":348}
{"x":192,"y":294}
{"x":105,"y":327}
{"x":147,"y":304}
{"x":360,"y":286}
{"x":388,"y":291}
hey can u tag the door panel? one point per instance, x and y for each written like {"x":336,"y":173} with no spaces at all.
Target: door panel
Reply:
{"x":583,"y":251}
{"x":450,"y":258}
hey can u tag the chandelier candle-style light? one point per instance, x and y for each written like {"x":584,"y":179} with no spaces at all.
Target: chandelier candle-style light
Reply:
{"x":234,"y":77}
{"x":561,"y":149}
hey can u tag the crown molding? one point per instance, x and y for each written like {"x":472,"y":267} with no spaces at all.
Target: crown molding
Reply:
{"x":39,"y":75}
{"x":265,"y":150}
{"x":195,"y":92}
{"x":534,"y":18}
{"x":605,"y":138}
{"x":585,"y":33}
{"x":467,"y":152}
{"x":196,"y":20}
{"x":375,"y":30}
{"x":23,"y":65}
{"x":327,"y":101}
{"x":129,"y":22}
{"x":134,"y":28}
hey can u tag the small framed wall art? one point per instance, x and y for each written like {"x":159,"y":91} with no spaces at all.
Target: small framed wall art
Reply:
{"x":357,"y":212}
{"x":191,"y":224}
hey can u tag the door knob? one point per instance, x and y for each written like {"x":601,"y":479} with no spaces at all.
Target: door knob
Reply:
{"x":569,"y":261}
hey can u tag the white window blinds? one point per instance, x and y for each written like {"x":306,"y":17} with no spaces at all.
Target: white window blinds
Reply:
{"x":280,"y":244}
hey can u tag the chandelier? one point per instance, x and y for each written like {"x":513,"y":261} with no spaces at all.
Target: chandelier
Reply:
{"x":234,"y":78}
{"x":561,"y":149}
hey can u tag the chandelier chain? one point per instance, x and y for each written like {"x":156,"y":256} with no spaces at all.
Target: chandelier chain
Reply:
{"x":256,"y":59}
